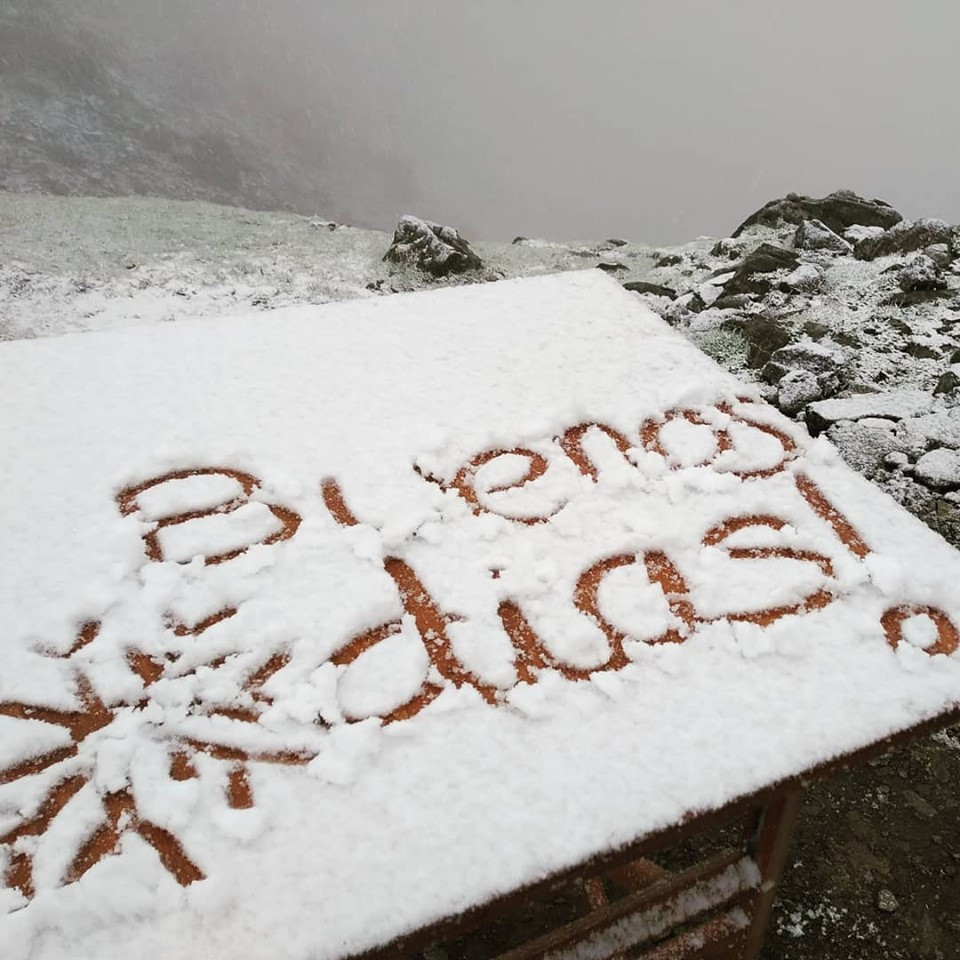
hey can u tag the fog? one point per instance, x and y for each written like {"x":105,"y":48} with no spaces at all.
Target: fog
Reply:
{"x":657,"y":121}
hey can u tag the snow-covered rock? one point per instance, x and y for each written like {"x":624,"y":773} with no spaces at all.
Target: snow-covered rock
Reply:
{"x":896,"y":405}
{"x":806,"y":278}
{"x":905,"y":237}
{"x":432,"y":247}
{"x":812,"y":235}
{"x":939,"y":469}
{"x":866,"y":444}
{"x":817,"y":358}
{"x":921,"y":273}
{"x":839,"y":211}
{"x":796,"y":389}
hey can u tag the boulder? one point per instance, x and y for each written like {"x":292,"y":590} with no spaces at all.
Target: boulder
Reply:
{"x":709,"y":293}
{"x":727,"y":247}
{"x":749,"y":277}
{"x":822,"y":361}
{"x":913,"y":297}
{"x":906,"y":237}
{"x":940,"y":254}
{"x":641,"y":286}
{"x":949,"y":382}
{"x":805,"y":279}
{"x":858,"y":232}
{"x":838,"y":211}
{"x":920,"y":350}
{"x":921,"y":273}
{"x":431,"y":247}
{"x":815,"y":330}
{"x":796,"y":389}
{"x":736,"y":301}
{"x":866,"y":445}
{"x":815,"y":236}
{"x":668,"y":260}
{"x":764,"y":337}
{"x":893,"y":405}
{"x":939,"y":469}
{"x":938,"y":429}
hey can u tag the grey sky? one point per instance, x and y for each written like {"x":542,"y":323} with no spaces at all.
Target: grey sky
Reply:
{"x":653,"y":120}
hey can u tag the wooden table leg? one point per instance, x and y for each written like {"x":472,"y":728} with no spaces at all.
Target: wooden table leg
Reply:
{"x":770,"y":847}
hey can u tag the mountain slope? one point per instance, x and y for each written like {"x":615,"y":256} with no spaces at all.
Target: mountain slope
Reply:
{"x":73,"y":123}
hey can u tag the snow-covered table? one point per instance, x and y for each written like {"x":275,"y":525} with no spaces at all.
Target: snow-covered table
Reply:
{"x":323,"y":626}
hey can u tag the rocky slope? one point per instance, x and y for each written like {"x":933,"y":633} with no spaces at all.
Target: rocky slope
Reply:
{"x":851,"y":322}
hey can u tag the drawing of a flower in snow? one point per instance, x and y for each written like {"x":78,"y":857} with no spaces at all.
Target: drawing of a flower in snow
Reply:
{"x":90,"y":761}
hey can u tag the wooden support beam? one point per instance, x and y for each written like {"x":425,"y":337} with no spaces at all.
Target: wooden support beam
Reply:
{"x":770,"y":848}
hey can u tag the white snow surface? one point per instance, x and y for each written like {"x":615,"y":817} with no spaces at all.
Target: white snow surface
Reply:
{"x":392,"y":826}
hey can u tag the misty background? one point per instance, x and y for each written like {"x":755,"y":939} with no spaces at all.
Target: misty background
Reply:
{"x":657,"y":121}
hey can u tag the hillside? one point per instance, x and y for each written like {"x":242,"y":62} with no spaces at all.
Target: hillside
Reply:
{"x":74,"y":122}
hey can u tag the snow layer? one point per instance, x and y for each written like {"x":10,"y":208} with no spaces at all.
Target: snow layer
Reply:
{"x":402,"y":482}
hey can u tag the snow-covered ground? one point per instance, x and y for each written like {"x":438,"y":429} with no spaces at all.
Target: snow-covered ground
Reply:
{"x":93,"y":264}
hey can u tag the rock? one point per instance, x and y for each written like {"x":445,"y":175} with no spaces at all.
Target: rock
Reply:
{"x":947,"y":513}
{"x":736,"y":301}
{"x":893,"y":405}
{"x":921,"y":273}
{"x":847,"y":339}
{"x":764,"y":337}
{"x":940,"y":429}
{"x":641,"y":286}
{"x":805,"y":279}
{"x":815,"y":236}
{"x":900,"y":325}
{"x":939,"y":469}
{"x":948,"y":382}
{"x":858,"y":232}
{"x":796,"y":389}
{"x":921,"y":351}
{"x":431,"y":247}
{"x":940,"y":254}
{"x":913,"y":297}
{"x":767,"y":258}
{"x":815,"y":358}
{"x":611,"y":266}
{"x":905,"y":237}
{"x":672,"y":311}
{"x":722,"y":276}
{"x":838,"y":211}
{"x":614,"y":242}
{"x":815,"y":330}
{"x":895,"y":460}
{"x":709,"y":293}
{"x":693,"y":301}
{"x":669,"y":260}
{"x":886,"y":901}
{"x":727,"y":247}
{"x":865,"y":445}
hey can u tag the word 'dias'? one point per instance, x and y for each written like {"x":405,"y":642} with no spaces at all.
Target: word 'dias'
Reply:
{"x":321,"y":625}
